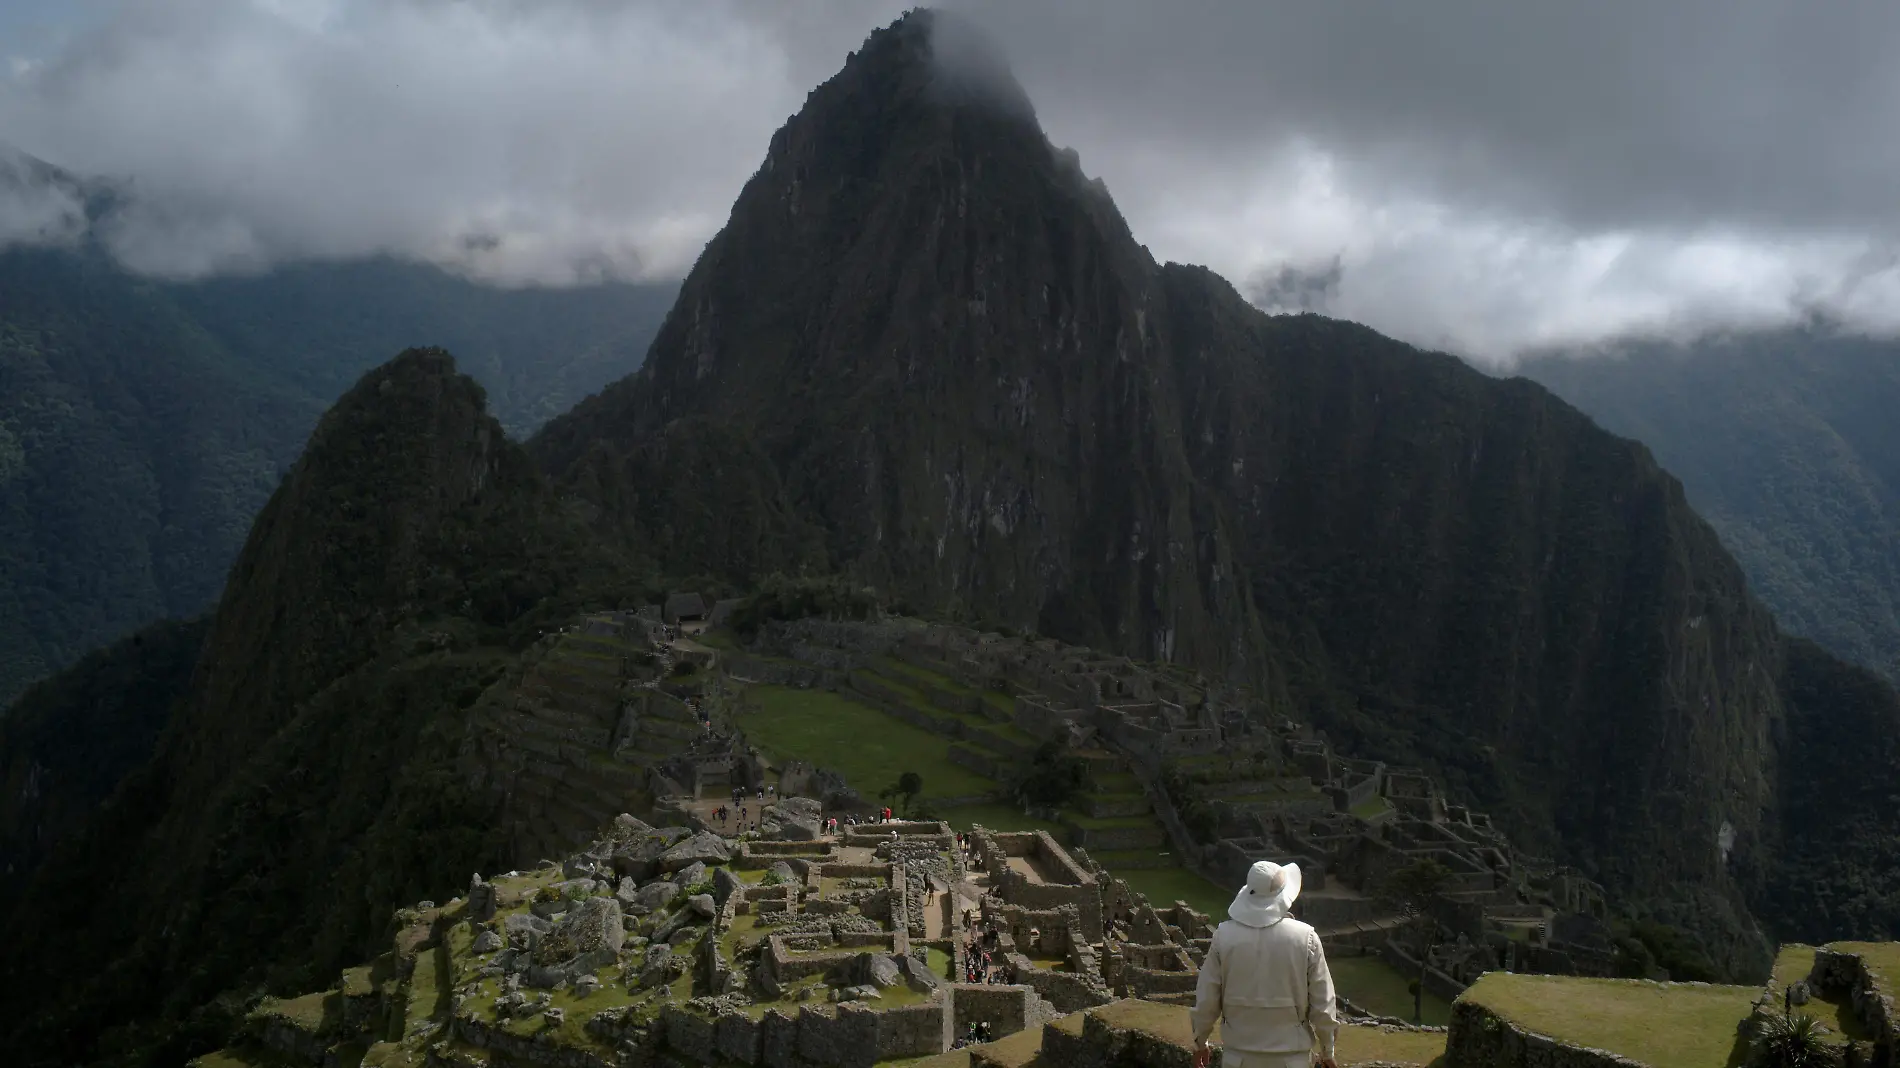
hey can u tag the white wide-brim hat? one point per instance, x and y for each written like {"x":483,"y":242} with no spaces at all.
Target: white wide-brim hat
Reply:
{"x":1268,"y":895}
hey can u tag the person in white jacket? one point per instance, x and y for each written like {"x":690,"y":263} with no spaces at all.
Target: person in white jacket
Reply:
{"x":1265,"y":980}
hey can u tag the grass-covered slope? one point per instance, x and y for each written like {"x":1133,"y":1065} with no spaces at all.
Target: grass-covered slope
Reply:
{"x":1683,"y":1025}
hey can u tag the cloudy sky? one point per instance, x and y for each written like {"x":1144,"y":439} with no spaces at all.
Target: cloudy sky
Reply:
{"x":1485,"y":176}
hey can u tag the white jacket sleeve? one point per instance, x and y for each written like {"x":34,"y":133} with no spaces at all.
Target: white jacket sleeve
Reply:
{"x":1207,"y":993}
{"x":1322,"y":1013}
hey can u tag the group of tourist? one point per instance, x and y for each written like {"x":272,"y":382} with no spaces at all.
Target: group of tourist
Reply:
{"x":979,"y":964}
{"x":972,"y":860}
{"x":978,"y":1032}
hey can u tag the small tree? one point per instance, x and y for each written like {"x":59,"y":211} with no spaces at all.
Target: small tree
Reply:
{"x":907,"y":787}
{"x":1409,"y":891}
{"x":1053,"y":777}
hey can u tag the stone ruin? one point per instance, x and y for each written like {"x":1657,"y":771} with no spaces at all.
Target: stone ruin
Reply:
{"x":658,"y":943}
{"x":1276,"y":790}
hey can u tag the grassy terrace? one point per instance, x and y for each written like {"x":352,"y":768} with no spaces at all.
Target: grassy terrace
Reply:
{"x":869,"y":748}
{"x":906,"y":687}
{"x":1108,"y":823}
{"x":998,"y":817}
{"x":1369,"y":1045}
{"x":1680,"y":1025}
{"x":1377,"y":987}
{"x":1164,"y":886}
{"x":1792,"y":965}
{"x":1372,"y":808}
{"x":1001,"y":702}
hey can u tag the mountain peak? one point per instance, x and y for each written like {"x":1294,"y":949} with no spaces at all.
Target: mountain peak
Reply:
{"x":913,"y":191}
{"x":917,"y":74}
{"x":950,"y":56}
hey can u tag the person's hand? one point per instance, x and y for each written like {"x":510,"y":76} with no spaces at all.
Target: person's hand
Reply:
{"x":1328,"y":1062}
{"x":1203,"y":1053}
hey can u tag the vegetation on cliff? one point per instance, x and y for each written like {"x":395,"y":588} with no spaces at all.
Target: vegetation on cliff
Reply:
{"x":927,"y":356}
{"x":307,"y":785}
{"x":1788,"y":444}
{"x":987,"y":400}
{"x":69,"y":740}
{"x":143,"y":424}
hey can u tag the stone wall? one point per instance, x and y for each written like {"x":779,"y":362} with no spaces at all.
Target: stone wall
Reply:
{"x":984,"y":764}
{"x":689,"y":1034}
{"x":870,"y":835}
{"x":518,"y":1049}
{"x":1066,"y":991}
{"x":1481,"y":1039}
{"x":1437,"y":982}
{"x":1007,"y":1009}
{"x":842,"y":1038}
{"x":914,"y":1030}
{"x":737,"y":1038}
{"x":845,"y":1036}
{"x":1150,"y":983}
{"x":1837,"y":971}
{"x":779,"y":672}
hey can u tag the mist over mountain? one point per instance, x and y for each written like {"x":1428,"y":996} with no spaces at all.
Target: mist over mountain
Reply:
{"x":926,"y":354}
{"x":1789,"y":444}
{"x":144,"y":423}
{"x":993,"y":402}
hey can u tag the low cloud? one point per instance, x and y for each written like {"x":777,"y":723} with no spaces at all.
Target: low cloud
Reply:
{"x":36,"y":209}
{"x":1485,"y":178}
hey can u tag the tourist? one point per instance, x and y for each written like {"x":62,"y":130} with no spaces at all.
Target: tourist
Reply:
{"x":1265,"y":980}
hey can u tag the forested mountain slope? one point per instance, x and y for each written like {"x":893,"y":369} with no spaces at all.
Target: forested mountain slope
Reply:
{"x":955,"y":365}
{"x":143,"y":424}
{"x":926,"y":354}
{"x":1789,"y":443}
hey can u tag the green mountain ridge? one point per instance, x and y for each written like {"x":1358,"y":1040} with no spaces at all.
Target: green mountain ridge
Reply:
{"x":1787,"y":442}
{"x":143,"y":424}
{"x":70,"y":739}
{"x":926,"y":354}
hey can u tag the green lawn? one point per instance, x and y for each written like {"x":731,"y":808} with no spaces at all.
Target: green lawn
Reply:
{"x":1371,"y":808}
{"x":1164,"y":886}
{"x":869,"y":748}
{"x":906,"y":688}
{"x":718,"y":639}
{"x":1117,"y":782}
{"x":1792,"y":965}
{"x":1377,"y":987}
{"x":998,"y":817}
{"x":1675,"y":1024}
{"x":1109,"y":823}
{"x":1369,"y":1045}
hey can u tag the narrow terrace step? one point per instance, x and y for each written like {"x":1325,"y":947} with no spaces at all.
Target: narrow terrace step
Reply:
{"x":569,"y":716}
{"x":524,"y":726}
{"x":1105,"y":805}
